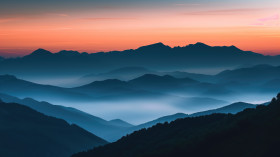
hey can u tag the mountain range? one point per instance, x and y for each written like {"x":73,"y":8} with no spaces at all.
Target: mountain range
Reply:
{"x":108,"y":130}
{"x":250,"y":133}
{"x":232,"y":109}
{"x":115,"y":90}
{"x":26,"y":132}
{"x":190,"y":94}
{"x":114,"y":129}
{"x":72,"y":64}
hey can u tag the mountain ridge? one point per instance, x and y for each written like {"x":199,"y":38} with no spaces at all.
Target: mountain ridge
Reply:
{"x":26,"y":132}
{"x":153,"y":46}
{"x":250,"y":133}
{"x":72,"y":64}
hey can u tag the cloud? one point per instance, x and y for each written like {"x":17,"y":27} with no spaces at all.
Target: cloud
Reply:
{"x":106,"y":19}
{"x":187,"y":4}
{"x":58,"y":14}
{"x":270,"y":18}
{"x":225,"y":11}
{"x":6,"y":20}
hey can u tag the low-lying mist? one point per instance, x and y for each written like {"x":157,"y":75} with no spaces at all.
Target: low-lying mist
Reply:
{"x":139,"y":111}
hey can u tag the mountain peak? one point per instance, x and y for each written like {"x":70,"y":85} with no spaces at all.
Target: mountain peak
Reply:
{"x":199,"y":45}
{"x":7,"y":77}
{"x":157,"y":46}
{"x":153,"y":78}
{"x":105,"y":83}
{"x":68,"y":53}
{"x":40,"y":52}
{"x":234,"y":48}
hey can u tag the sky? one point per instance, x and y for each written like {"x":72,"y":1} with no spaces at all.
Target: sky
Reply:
{"x":94,"y":26}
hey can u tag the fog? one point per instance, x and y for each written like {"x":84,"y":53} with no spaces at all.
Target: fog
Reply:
{"x":140,"y":111}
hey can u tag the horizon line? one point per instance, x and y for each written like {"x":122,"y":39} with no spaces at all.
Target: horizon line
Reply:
{"x":30,"y":51}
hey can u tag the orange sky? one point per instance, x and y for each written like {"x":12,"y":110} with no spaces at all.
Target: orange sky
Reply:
{"x":256,"y":29}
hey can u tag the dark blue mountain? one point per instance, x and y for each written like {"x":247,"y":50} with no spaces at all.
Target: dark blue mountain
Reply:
{"x":250,"y":133}
{"x":26,"y":132}
{"x":158,"y":57}
{"x":120,"y":123}
{"x":108,"y":130}
{"x":232,"y":108}
{"x":16,"y":87}
{"x":39,"y":53}
{"x":256,"y":74}
{"x":152,"y":82}
{"x":125,"y":74}
{"x":111,"y":90}
{"x":271,"y":86}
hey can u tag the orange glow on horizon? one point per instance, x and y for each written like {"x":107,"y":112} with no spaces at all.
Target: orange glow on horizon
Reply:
{"x":255,"y":30}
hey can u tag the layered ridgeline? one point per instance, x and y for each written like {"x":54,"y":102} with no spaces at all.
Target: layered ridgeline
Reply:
{"x":185,"y":93}
{"x":114,"y":129}
{"x":250,"y":133}
{"x":232,"y":108}
{"x":26,"y":132}
{"x":239,"y":74}
{"x":112,"y":91}
{"x":108,"y":130}
{"x":222,"y":86}
{"x":65,"y":64}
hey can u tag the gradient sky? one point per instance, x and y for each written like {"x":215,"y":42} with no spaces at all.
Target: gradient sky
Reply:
{"x":93,"y":26}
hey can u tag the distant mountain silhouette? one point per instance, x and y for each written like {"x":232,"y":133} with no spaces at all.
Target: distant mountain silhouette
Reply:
{"x":255,"y":74}
{"x":242,"y":75}
{"x":65,"y":53}
{"x":161,"y":83}
{"x":155,"y":48}
{"x":232,"y":108}
{"x":26,"y":132}
{"x":108,"y":130}
{"x":16,"y":87}
{"x":152,"y":79}
{"x":121,"y":123}
{"x":250,"y":133}
{"x":125,"y":74}
{"x":147,"y":87}
{"x":272,"y":85}
{"x":158,"y":57}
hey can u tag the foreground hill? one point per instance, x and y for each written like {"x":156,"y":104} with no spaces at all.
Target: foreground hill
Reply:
{"x":232,"y":108}
{"x":250,"y":133}
{"x":108,"y":130}
{"x":25,"y":132}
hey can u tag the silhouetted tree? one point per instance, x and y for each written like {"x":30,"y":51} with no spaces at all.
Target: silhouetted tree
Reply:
{"x":273,"y":100}
{"x":278,"y":96}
